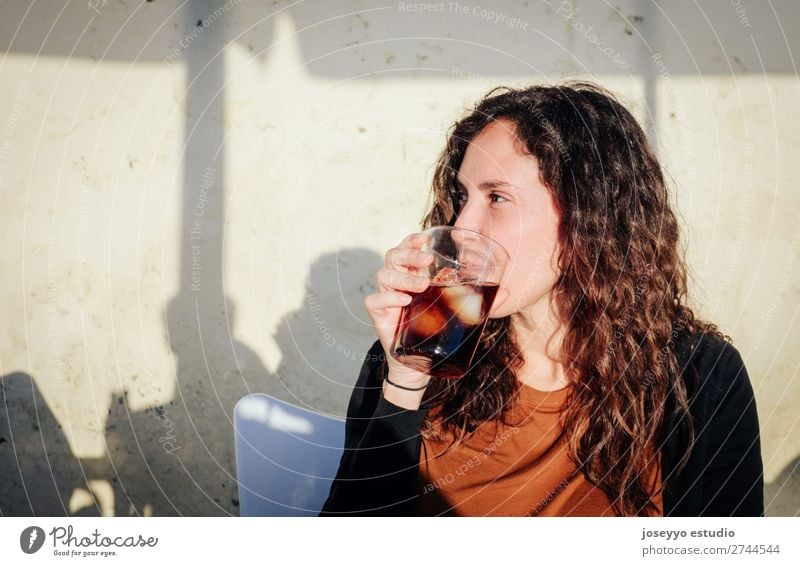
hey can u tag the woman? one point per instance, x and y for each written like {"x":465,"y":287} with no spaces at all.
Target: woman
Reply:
{"x":595,"y":390}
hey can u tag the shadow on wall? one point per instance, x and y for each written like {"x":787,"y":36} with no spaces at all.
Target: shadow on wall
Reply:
{"x":153,"y":456}
{"x":782,"y":496}
{"x":313,"y":373}
{"x":346,"y":39}
{"x":322,"y":343}
{"x":38,"y":471}
{"x":42,"y":477}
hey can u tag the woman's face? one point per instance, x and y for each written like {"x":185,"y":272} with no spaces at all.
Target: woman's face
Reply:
{"x":502,"y":197}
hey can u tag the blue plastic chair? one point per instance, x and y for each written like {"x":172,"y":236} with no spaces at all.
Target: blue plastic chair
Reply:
{"x":286,"y":457}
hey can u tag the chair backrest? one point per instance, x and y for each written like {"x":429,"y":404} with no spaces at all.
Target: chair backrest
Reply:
{"x":286,"y":457}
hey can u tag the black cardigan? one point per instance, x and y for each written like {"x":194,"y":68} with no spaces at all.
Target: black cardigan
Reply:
{"x":378,"y":470}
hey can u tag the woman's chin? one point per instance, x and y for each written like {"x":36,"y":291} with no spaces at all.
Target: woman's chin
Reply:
{"x":501,"y":313}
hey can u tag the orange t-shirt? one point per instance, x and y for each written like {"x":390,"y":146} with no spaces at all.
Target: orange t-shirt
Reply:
{"x":514,"y":469}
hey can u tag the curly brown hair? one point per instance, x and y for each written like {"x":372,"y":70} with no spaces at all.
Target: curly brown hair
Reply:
{"x":621,"y":291}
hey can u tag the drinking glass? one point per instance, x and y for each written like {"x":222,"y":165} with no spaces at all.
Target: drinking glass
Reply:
{"x":440,"y":329}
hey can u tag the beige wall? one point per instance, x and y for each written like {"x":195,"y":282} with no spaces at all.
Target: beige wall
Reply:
{"x":191,"y":213}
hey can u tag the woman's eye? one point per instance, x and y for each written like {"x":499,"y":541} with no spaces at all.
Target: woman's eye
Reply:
{"x":494,"y":197}
{"x":460,"y":197}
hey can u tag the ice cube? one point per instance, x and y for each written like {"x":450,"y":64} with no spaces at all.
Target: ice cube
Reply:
{"x":428,"y":322}
{"x":473,"y":264}
{"x":465,"y":302}
{"x":446,"y":276}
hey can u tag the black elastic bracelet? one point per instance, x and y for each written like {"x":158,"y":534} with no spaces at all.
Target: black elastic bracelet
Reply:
{"x":390,"y":382}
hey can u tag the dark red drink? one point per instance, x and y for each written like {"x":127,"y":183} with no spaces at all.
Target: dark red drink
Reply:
{"x":440,"y":329}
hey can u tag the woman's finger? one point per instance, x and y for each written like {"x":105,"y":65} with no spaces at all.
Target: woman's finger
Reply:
{"x":389,"y":299}
{"x":409,"y":258}
{"x":392,"y":280}
{"x":413,"y":240}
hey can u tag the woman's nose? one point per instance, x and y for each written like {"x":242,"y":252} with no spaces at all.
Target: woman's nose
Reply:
{"x":472,"y":216}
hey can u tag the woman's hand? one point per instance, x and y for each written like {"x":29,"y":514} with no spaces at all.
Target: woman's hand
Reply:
{"x":404,"y":271}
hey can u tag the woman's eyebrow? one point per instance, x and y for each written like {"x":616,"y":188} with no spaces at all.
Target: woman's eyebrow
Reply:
{"x":486,"y":185}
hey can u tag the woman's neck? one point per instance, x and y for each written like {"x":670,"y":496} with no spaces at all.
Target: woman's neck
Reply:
{"x":539,"y":335}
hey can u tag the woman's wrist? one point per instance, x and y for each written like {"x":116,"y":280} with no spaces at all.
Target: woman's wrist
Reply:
{"x":407,"y":387}
{"x":406,"y":393}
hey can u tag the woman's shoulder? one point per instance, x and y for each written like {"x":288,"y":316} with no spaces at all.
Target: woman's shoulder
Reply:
{"x":702,"y":346}
{"x":710,"y":364}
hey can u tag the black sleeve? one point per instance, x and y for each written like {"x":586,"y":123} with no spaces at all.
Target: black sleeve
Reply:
{"x":378,"y":470}
{"x":733,"y":483}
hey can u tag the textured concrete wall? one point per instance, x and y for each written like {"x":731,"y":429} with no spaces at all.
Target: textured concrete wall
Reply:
{"x":194,"y":198}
